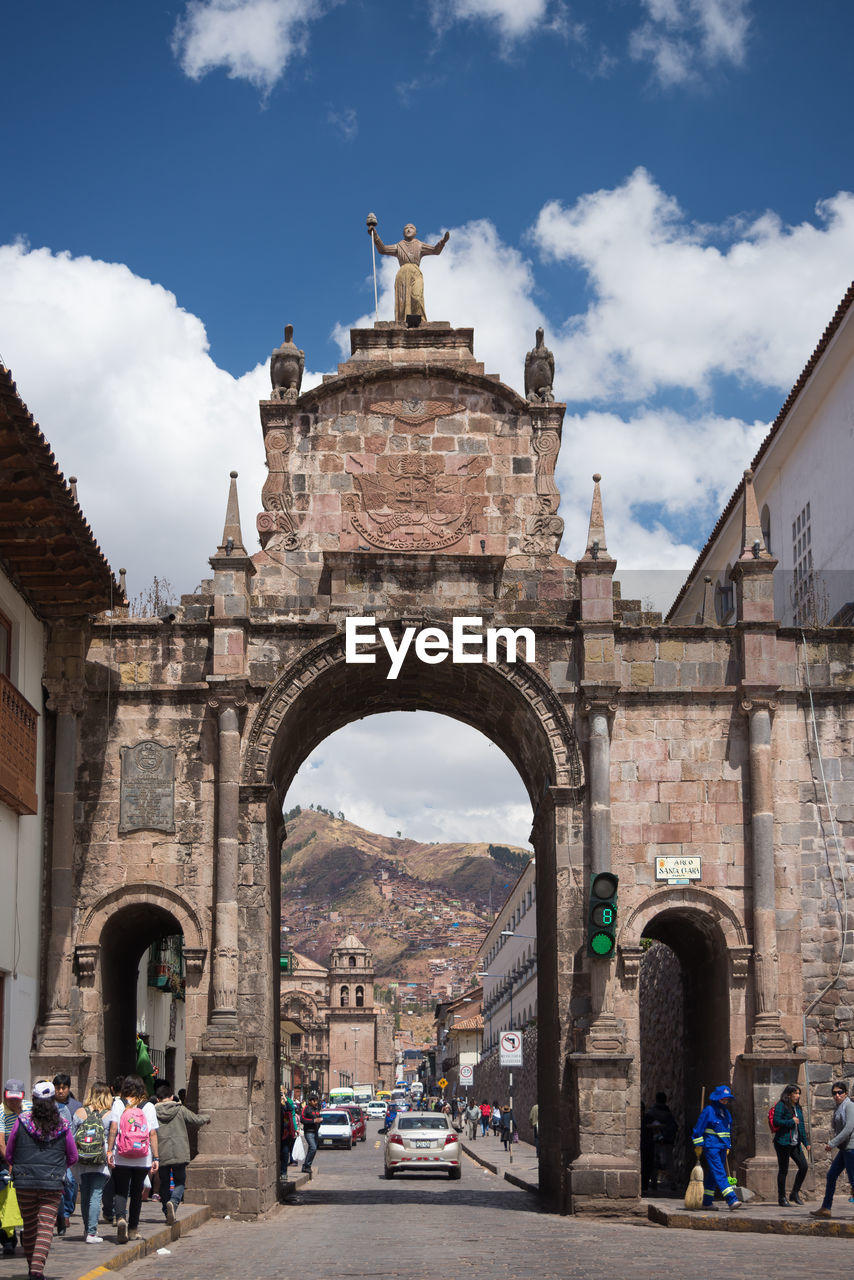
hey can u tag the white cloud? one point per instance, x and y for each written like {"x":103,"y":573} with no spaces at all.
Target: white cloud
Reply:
{"x":672,"y":309}
{"x":119,"y":378}
{"x":684,"y":39}
{"x":514,"y":19}
{"x":345,"y":122}
{"x":252,"y":40}
{"x":441,"y":780}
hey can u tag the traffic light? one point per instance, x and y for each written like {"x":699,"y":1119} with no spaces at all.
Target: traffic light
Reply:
{"x":602,"y":915}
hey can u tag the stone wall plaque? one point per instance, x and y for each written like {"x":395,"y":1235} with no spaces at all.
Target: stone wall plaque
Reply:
{"x":148,"y":788}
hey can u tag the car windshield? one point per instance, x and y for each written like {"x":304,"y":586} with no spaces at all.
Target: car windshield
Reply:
{"x":334,"y":1117}
{"x":422,"y":1122}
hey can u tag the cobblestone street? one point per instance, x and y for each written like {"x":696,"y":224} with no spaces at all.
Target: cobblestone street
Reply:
{"x":351,"y":1222}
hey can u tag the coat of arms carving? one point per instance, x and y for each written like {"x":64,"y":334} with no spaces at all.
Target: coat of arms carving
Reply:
{"x":413,"y":504}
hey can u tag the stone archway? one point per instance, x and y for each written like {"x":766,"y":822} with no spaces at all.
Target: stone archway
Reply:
{"x":509,"y":703}
{"x":114,"y":934}
{"x":686,"y":953}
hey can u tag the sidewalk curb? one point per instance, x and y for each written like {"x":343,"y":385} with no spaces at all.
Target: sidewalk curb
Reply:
{"x":839,"y":1228}
{"x":515,"y":1179}
{"x":160,"y":1239}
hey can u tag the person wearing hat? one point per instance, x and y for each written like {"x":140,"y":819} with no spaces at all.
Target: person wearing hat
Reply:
{"x":310,"y":1125}
{"x":712,"y":1138}
{"x":13,"y":1102}
{"x":40,"y":1149}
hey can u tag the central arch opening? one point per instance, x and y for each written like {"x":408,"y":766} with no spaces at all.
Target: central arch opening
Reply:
{"x":511,"y":705}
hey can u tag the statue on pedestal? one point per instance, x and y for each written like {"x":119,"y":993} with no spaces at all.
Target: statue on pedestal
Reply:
{"x":286,"y":368}
{"x":539,"y":372}
{"x":409,"y":282}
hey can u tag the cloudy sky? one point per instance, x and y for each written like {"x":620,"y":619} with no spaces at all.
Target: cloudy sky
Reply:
{"x":664,"y":185}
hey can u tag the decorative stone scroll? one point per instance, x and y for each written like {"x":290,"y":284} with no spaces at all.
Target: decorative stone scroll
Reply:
{"x":275,"y":524}
{"x":147,"y":800}
{"x":545,"y":528}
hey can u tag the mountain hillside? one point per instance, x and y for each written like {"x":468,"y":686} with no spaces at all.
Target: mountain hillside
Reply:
{"x":411,"y":903}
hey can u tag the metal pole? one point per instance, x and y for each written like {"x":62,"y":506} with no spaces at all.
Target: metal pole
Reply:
{"x":371,"y":222}
{"x":511,"y":1116}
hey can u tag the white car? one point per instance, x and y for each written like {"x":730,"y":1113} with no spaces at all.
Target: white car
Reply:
{"x":376,"y":1110}
{"x":335,"y":1130}
{"x":423,"y":1142}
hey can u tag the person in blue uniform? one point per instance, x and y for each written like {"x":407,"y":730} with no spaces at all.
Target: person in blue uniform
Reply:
{"x":712,"y":1138}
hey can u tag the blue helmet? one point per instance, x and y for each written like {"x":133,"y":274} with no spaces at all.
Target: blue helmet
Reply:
{"x":723,"y":1093}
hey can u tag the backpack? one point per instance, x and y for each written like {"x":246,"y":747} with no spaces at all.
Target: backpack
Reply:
{"x":775,"y":1128}
{"x":90,"y":1138}
{"x":133,"y":1137}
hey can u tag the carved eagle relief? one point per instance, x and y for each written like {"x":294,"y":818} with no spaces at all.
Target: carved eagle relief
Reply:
{"x":414,"y":414}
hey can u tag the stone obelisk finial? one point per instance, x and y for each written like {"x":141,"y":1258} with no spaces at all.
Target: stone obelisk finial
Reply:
{"x":232,"y":538}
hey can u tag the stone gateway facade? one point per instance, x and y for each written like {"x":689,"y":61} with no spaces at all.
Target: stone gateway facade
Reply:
{"x":413,"y":488}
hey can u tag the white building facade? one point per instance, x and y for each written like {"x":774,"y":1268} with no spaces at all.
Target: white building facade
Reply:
{"x":802,"y":482}
{"x":507,"y":960}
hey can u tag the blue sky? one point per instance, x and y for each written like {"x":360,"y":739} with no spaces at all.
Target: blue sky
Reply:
{"x":664,"y":184}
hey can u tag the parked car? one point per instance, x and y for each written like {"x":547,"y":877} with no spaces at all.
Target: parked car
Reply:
{"x":376,"y":1110}
{"x":358,"y":1122}
{"x":423,"y":1142}
{"x":335,"y":1130}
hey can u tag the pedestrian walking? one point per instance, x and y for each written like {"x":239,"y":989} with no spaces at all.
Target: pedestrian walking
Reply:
{"x":841,"y":1143}
{"x":661,"y":1123}
{"x":131,"y":1153}
{"x":67,"y":1105}
{"x":485,"y":1118}
{"x":173,"y":1147}
{"x":13,"y":1104}
{"x":310,"y":1126}
{"x":496,"y":1119}
{"x":40,"y":1149}
{"x":790,"y":1143}
{"x":505,"y":1126}
{"x":712,"y":1136}
{"x":288,"y":1133}
{"x":472,"y":1120}
{"x":534,"y":1121}
{"x":90,"y":1125}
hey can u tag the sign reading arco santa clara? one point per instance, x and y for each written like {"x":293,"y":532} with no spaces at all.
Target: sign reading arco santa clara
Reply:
{"x":679,"y":870}
{"x":147,"y":800}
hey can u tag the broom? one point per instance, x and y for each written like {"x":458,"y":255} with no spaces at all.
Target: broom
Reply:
{"x":694,"y":1190}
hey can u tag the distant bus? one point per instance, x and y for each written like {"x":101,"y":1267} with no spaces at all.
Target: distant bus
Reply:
{"x":399,"y":1095}
{"x":363,"y":1094}
{"x":416,"y":1088}
{"x":383,"y":1095}
{"x":337,"y":1096}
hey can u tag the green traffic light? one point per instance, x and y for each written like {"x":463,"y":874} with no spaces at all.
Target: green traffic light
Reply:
{"x":602,"y":944}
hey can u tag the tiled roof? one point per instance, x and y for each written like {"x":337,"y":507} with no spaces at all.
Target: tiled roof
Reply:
{"x":776,"y":426}
{"x":46,"y":545}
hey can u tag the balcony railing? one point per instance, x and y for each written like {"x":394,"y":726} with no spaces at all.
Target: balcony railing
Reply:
{"x":18,"y":749}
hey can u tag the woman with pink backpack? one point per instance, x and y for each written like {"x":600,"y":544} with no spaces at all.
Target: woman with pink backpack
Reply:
{"x":131,"y":1153}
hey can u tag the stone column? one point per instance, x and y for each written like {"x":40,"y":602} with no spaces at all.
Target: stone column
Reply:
{"x":607,"y":1034}
{"x":224,"y":976}
{"x":768,"y":1035}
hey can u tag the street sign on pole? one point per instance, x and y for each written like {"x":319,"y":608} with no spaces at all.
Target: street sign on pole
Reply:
{"x":443,"y":1084}
{"x":510,"y":1049}
{"x":467,"y":1076}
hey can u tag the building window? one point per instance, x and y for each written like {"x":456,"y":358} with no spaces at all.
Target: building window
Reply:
{"x":352,"y":962}
{"x":345,"y":996}
{"x":725,"y":596}
{"x":765,"y":526}
{"x":803,"y":585}
{"x":360,"y":997}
